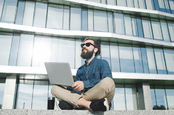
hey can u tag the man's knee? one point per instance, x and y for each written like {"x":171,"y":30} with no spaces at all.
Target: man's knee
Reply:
{"x":107,"y":83}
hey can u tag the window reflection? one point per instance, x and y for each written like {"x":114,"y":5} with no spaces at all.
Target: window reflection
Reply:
{"x":100,"y":21}
{"x":75,"y":19}
{"x":40,"y":14}
{"x":9,"y":11}
{"x":2,"y":87}
{"x":40,"y":95}
{"x":33,"y":93}
{"x":41,"y":51}
{"x":55,"y":17}
{"x":126,"y":58}
{"x":5,"y":45}
{"x":162,"y":97}
{"x":125,"y":97}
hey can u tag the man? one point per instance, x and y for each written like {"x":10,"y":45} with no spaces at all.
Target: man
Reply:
{"x":94,"y":87}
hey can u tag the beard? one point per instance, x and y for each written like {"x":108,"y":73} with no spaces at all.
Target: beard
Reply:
{"x":87,"y":55}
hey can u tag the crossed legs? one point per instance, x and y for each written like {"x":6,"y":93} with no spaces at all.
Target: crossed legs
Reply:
{"x":104,"y":89}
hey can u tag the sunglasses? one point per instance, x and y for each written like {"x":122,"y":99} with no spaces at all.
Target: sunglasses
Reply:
{"x":87,"y":45}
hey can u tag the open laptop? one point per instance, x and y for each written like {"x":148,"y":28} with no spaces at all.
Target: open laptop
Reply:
{"x":59,"y":73}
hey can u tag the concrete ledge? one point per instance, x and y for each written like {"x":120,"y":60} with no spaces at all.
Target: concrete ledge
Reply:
{"x":83,"y":112}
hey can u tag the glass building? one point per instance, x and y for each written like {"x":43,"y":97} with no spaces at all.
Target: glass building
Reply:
{"x":137,"y":40}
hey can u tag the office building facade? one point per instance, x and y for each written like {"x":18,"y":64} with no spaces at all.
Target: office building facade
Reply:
{"x":137,"y":40}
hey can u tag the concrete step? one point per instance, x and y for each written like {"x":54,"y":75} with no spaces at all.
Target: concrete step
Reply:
{"x":83,"y":112}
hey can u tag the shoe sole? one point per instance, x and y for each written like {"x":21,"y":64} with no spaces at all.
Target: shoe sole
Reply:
{"x":106,"y":104}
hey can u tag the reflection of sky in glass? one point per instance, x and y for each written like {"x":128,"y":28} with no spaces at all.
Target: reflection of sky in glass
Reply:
{"x":33,"y":94}
{"x":2,"y":86}
{"x":24,"y":96}
{"x":170,"y":98}
{"x":40,"y":96}
{"x":125,"y":97}
{"x":119,"y":99}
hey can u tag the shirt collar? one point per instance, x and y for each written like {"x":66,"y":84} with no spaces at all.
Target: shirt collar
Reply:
{"x":91,"y":61}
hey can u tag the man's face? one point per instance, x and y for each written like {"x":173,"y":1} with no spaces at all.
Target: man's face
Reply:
{"x":88,"y":49}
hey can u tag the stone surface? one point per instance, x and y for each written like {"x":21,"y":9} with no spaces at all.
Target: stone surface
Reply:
{"x":83,"y":112}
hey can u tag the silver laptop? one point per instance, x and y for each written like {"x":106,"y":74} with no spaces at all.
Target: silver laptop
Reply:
{"x":59,"y":73}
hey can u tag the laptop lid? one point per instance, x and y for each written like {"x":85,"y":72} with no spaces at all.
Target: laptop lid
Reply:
{"x":59,"y":73}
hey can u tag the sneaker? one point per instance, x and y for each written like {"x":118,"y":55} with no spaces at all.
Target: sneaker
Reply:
{"x":64,"y":105}
{"x":100,"y":105}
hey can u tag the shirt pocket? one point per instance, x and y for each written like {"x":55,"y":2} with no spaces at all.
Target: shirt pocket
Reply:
{"x":96,"y":74}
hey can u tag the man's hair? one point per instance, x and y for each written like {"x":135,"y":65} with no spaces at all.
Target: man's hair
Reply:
{"x":96,"y":44}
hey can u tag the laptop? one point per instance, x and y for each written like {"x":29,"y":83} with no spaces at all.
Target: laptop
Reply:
{"x":59,"y":73}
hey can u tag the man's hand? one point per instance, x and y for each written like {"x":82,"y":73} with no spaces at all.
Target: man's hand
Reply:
{"x":78,"y":85}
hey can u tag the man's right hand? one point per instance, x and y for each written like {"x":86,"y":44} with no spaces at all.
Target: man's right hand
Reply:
{"x":78,"y":85}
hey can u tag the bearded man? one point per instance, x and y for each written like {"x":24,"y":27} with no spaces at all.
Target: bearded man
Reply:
{"x":94,"y":87}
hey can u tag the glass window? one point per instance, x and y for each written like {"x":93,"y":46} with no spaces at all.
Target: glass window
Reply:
{"x":105,"y":52}
{"x":169,"y":58}
{"x":134,"y":27}
{"x":160,"y":98}
{"x":140,"y":27}
{"x":171,"y":30}
{"x":125,"y":97}
{"x":66,"y":18}
{"x":66,"y":50}
{"x":119,"y":98}
{"x":2,"y":87}
{"x":121,"y":2}
{"x":149,"y":4}
{"x":5,"y":45}
{"x":128,"y":25}
{"x":136,"y":3}
{"x":171,"y":4}
{"x":147,"y":28}
{"x":28,"y":13}
{"x":41,"y":51}
{"x":170,"y":97}
{"x":9,"y":11}
{"x":100,"y":21}
{"x":40,"y":14}
{"x":110,"y":22}
{"x":20,"y":12}
{"x":151,"y":60}
{"x":119,"y":23}
{"x":24,"y":96}
{"x":55,"y":17}
{"x":111,"y":2}
{"x":130,"y":3}
{"x":54,"y":50}
{"x":131,"y":98}
{"x":103,"y":1}
{"x":165,"y":31}
{"x":144,"y":58}
{"x":167,"y":6}
{"x":156,"y":5}
{"x":142,"y":4}
{"x":137,"y":59}
{"x":40,"y":95}
{"x":75,"y":19}
{"x":156,"y":30}
{"x":115,"y":64}
{"x":161,"y":66}
{"x":126,"y":58}
{"x":14,"y":50}
{"x":78,"y":59}
{"x":25,"y":50}
{"x":161,"y":5}
{"x":84,"y":19}
{"x":1,"y":6}
{"x":98,"y":1}
{"x":90,"y":20}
